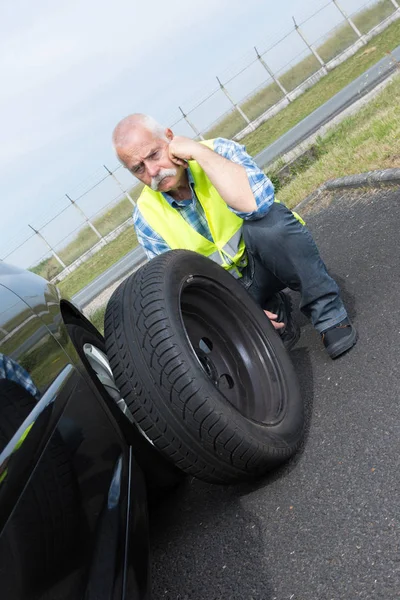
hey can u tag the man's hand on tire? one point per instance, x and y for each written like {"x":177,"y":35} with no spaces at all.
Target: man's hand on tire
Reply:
{"x":273,"y":318}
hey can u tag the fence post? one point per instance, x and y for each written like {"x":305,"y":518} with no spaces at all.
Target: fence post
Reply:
{"x":317,"y":56}
{"x":197,"y":132}
{"x":395,"y":4}
{"x":86,"y":218}
{"x":121,"y":187}
{"x":270,"y":72}
{"x":64,"y":266}
{"x":245,"y":117}
{"x":350,"y":21}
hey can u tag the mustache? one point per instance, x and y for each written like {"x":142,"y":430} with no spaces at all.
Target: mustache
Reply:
{"x":155,"y":181}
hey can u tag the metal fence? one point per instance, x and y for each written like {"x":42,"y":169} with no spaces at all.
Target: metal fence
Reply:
{"x":261,"y":83}
{"x":78,"y":225}
{"x":268,"y":74}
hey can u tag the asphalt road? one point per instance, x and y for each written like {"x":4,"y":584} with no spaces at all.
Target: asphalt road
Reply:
{"x":322,"y":115}
{"x":325,"y":526}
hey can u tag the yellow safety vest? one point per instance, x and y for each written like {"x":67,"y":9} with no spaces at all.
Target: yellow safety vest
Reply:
{"x":227,"y":248}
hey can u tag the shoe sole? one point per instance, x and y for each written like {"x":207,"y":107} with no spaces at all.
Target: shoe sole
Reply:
{"x":341,"y":347}
{"x":289,"y":311}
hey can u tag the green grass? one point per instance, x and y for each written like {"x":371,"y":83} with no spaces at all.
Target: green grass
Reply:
{"x":98,"y":263}
{"x":97,"y":318}
{"x":86,"y":238}
{"x":340,"y":39}
{"x":367,"y":19}
{"x":50,"y":267}
{"x":366,"y":141}
{"x":119,"y":213}
{"x":255,"y":142}
{"x":47,"y":268}
{"x":314,"y":97}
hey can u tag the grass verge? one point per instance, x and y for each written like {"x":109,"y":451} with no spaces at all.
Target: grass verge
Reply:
{"x":86,"y":238}
{"x":118,"y":214}
{"x":363,"y":142}
{"x":255,"y":142}
{"x":99,"y":263}
{"x":97,"y":318}
{"x":342,"y":37}
{"x":329,"y":85}
{"x":366,"y":141}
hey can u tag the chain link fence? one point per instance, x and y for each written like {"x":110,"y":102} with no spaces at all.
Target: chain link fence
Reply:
{"x":261,"y":83}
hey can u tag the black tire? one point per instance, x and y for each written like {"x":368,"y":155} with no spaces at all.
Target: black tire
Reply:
{"x":173,"y":329}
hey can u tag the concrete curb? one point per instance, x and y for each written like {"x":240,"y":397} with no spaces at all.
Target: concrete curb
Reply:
{"x":371,"y":179}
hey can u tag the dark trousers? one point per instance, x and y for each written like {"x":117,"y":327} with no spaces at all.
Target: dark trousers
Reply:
{"x":282,"y":253}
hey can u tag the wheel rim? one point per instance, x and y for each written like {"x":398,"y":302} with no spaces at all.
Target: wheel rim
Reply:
{"x":101,"y":366}
{"x":236,"y":354}
{"x":102,"y":369}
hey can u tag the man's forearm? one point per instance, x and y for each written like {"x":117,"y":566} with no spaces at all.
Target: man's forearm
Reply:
{"x":229,"y":179}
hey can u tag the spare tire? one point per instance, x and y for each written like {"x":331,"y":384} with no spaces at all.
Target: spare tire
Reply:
{"x":203,"y":371}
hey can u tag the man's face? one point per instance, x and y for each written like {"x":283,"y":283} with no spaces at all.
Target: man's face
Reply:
{"x":147,"y":158}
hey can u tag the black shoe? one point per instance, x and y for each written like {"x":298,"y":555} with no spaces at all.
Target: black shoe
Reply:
{"x":340,"y":338}
{"x":282,"y":306}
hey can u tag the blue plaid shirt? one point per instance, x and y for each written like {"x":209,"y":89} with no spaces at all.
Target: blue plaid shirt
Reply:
{"x":192,"y":211}
{"x":9,"y":369}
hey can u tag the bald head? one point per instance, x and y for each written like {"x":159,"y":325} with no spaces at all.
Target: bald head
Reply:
{"x":130,"y":127}
{"x":141,"y":145}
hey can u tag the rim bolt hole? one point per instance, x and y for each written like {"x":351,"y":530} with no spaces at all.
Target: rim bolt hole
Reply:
{"x":205,"y":345}
{"x":226,"y":382}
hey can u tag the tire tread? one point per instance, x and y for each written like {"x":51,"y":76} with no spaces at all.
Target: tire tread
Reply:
{"x":175,"y":412}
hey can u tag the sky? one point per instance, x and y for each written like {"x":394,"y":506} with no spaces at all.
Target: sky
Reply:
{"x":70,"y":71}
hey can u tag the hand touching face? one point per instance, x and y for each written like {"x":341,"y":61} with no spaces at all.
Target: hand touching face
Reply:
{"x":149,"y":158}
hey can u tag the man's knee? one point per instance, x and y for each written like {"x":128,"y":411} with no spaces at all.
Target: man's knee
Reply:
{"x":273,"y":226}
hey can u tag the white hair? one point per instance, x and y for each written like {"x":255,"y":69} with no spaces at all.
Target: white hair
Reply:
{"x":123,"y":130}
{"x":152,"y":125}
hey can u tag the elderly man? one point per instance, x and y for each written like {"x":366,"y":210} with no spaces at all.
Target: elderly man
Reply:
{"x":212,"y":198}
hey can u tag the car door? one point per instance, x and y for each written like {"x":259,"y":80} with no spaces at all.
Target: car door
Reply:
{"x":65,"y":472}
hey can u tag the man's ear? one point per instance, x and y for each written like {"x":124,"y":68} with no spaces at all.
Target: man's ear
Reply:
{"x":169,"y":135}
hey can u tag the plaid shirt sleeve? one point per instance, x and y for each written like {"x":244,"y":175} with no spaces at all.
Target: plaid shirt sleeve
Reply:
{"x":261,"y":186}
{"x":152,"y":243}
{"x":9,"y":369}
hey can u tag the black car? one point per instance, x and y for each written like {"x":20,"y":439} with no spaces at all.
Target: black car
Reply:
{"x":190,"y":378}
{"x":73,"y":508}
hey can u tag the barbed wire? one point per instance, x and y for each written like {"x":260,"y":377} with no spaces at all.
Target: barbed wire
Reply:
{"x":44,"y":214}
{"x":103,"y":209}
{"x":93,"y":187}
{"x":204,"y":101}
{"x":19,"y":246}
{"x":55,"y":217}
{"x":316,"y":13}
{"x":252,"y":61}
{"x":81,"y":190}
{"x":286,"y":67}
